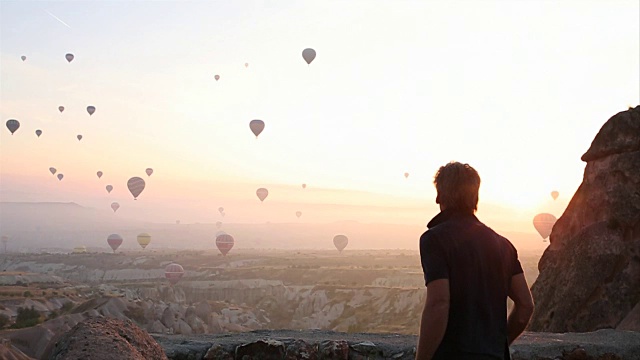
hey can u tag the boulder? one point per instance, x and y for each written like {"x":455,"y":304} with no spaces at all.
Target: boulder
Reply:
{"x":590,"y":273}
{"x":104,"y":338}
{"x":261,"y":349}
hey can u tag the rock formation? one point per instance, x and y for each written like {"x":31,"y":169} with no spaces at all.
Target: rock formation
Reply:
{"x":590,"y":274}
{"x":105,"y":338}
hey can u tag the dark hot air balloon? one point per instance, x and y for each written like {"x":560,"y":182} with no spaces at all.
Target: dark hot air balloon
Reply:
{"x":60,"y":176}
{"x":61,"y":108}
{"x":114,"y":240}
{"x":23,"y":58}
{"x":149,"y":171}
{"x":174,"y":272}
{"x":91,"y":109}
{"x":69,"y":57}
{"x":109,"y":188}
{"x":38,"y":132}
{"x":79,"y":137}
{"x":340,"y":241}
{"x":224,"y":242}
{"x":52,"y":170}
{"x":13,"y":125}
{"x":256,"y":127}
{"x":99,"y":174}
{"x":217,"y":77}
{"x":308,"y":55}
{"x":135,"y":185}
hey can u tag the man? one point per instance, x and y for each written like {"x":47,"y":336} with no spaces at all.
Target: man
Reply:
{"x":469,"y":271}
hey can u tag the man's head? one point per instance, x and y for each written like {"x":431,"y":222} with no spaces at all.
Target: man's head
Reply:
{"x":457,"y":185}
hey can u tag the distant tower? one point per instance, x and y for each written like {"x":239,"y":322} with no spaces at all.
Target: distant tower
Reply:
{"x":5,"y":240}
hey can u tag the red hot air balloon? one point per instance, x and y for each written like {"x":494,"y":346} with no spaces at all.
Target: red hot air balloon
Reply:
{"x":173,"y":272}
{"x":340,"y":241}
{"x":69,"y":57}
{"x":256,"y":127}
{"x":115,"y":206}
{"x":262,"y":194}
{"x":544,"y":224}
{"x":61,"y":108}
{"x":135,"y":185}
{"x":114,"y":240}
{"x":224,"y":242}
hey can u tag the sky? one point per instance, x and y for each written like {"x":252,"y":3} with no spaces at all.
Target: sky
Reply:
{"x":516,"y":89}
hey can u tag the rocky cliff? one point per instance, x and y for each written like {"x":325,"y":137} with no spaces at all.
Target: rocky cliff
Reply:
{"x":590,"y":274}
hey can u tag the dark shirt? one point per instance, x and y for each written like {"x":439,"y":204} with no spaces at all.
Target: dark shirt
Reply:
{"x":479,"y":264}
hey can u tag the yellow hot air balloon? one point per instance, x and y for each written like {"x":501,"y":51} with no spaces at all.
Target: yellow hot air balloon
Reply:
{"x":144,"y":239}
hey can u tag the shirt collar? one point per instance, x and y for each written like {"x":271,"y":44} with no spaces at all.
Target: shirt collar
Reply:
{"x":447,"y":215}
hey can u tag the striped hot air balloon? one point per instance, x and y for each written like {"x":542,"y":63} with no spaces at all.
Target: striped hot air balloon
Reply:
{"x":114,"y":240}
{"x":135,"y":185}
{"x":174,"y":272}
{"x":224,"y":242}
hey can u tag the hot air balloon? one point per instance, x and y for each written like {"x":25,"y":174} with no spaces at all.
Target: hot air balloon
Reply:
{"x":114,"y":240}
{"x":79,"y":137}
{"x":262,"y":193}
{"x":298,"y":214}
{"x":99,"y":173}
{"x":340,"y":241}
{"x":109,"y":188}
{"x":69,"y":57}
{"x":173,"y":272}
{"x":115,"y":206}
{"x":61,"y":108}
{"x":52,"y":170}
{"x":218,"y":224}
{"x":60,"y":176}
{"x":308,"y":55}
{"x":217,"y":77}
{"x":544,"y":224}
{"x":554,"y":194}
{"x":246,"y":65}
{"x":91,"y":109}
{"x":256,"y":127}
{"x":149,"y":171}
{"x":135,"y":185}
{"x":23,"y":58}
{"x":224,"y":242}
{"x":13,"y":125}
{"x":144,"y":239}
{"x":38,"y":132}
{"x":304,"y":186}
{"x":406,"y":175}
{"x":221,"y":210}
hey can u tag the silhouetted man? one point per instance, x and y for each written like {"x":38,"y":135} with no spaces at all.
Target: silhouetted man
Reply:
{"x":469,"y":271}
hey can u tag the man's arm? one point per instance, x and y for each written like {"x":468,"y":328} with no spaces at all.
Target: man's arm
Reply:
{"x":435,"y":317}
{"x":522,"y":307}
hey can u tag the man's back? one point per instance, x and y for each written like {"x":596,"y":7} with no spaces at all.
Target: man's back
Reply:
{"x":479,"y":265}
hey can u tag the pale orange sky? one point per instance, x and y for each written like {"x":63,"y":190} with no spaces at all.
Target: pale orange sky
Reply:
{"x":516,"y":89}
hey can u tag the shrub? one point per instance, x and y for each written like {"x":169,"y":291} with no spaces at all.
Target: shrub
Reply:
{"x":27,"y":317}
{"x":27,"y":294}
{"x":66,"y":307}
{"x":4,"y":321}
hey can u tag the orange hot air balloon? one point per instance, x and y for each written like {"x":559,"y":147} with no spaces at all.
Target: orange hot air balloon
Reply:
{"x":544,"y":224}
{"x":114,"y":241}
{"x":224,"y":242}
{"x":340,"y":242}
{"x":406,"y":175}
{"x":174,"y":272}
{"x":554,"y":194}
{"x":115,"y":206}
{"x":256,"y":127}
{"x":135,"y":185}
{"x":262,"y":193}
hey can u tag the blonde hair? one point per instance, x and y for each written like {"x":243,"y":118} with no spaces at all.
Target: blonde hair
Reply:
{"x":457,"y":185}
